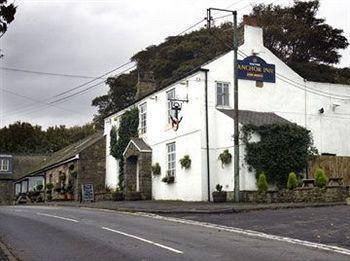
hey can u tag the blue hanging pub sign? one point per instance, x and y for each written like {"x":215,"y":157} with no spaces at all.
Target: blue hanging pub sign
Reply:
{"x":256,"y":69}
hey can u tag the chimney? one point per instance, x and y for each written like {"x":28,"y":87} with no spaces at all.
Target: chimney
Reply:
{"x":250,"y":20}
{"x":145,"y":84}
{"x":253,"y":34}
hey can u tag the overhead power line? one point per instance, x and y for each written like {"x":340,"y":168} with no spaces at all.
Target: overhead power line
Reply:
{"x":46,"y":73}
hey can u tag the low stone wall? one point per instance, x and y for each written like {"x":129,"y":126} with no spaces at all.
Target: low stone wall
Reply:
{"x":310,"y":195}
{"x":102,"y":196}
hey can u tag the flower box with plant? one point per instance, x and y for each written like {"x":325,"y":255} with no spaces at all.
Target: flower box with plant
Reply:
{"x":225,"y":157}
{"x":156,"y":170}
{"x":219,"y":195}
{"x":185,"y":162}
{"x":168,"y":178}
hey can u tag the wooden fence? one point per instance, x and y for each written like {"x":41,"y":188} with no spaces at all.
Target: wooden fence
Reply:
{"x":334,"y":166}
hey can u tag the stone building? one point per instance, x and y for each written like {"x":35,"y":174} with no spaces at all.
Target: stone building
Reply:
{"x":12,"y":167}
{"x":67,"y":169}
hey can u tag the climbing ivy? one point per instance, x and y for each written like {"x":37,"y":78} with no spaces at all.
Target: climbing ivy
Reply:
{"x":281,"y":150}
{"x":120,"y":138}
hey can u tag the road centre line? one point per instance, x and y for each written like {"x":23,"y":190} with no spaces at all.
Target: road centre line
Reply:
{"x":144,"y":240}
{"x":251,"y":233}
{"x":58,"y":217}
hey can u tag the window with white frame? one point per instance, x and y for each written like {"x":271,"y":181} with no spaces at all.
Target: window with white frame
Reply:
{"x":4,"y":165}
{"x":171,"y":158}
{"x":222,"y":94}
{"x":170,"y":95}
{"x":143,"y":118}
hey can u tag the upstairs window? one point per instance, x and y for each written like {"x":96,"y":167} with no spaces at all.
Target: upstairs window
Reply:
{"x":171,"y":158}
{"x":222,"y":94}
{"x":143,"y":118}
{"x":170,"y":95}
{"x":4,"y":165}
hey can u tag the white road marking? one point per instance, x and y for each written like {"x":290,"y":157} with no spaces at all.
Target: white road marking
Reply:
{"x":144,"y":240}
{"x":251,"y":233}
{"x":58,"y":217}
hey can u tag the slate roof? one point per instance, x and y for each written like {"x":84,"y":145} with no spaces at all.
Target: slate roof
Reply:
{"x":256,"y":118}
{"x":141,"y":144}
{"x":68,"y":152}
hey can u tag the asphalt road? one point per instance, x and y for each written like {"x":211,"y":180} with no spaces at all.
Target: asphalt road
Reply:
{"x":326,"y":225}
{"x":62,"y":233}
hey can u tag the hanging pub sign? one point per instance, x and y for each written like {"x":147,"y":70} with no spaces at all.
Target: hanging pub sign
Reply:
{"x":254,"y":68}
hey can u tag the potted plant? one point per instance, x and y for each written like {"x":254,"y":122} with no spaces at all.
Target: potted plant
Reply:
{"x":219,"y":195}
{"x":185,"y":162}
{"x":225,"y":157}
{"x":156,"y":170}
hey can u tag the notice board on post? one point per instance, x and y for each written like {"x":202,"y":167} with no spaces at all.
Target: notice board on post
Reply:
{"x":87,"y":192}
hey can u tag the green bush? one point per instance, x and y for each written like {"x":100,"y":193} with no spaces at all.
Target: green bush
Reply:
{"x":292,"y":182}
{"x":321,"y":178}
{"x":262,"y":183}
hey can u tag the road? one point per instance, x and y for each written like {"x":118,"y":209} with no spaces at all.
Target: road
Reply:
{"x":63,"y":233}
{"x":326,"y":225}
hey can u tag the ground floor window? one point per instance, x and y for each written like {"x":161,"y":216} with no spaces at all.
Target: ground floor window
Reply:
{"x":171,"y":158}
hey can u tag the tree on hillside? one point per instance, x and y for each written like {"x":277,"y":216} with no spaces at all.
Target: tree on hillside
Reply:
{"x":22,"y":137}
{"x":306,"y":43}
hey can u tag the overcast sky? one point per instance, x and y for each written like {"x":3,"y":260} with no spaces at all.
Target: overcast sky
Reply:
{"x":89,"y":38}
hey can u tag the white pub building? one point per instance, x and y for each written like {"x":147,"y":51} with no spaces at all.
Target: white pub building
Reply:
{"x":206,"y":128}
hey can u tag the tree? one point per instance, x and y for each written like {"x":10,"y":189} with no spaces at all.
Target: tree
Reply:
{"x":299,"y":38}
{"x":7,"y":15}
{"x":22,"y":137}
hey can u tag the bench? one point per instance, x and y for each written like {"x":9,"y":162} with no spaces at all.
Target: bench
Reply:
{"x":308,"y":183}
{"x":335,"y":182}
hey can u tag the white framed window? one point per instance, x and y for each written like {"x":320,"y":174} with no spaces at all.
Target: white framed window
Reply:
{"x":222,"y":94}
{"x":170,"y":95}
{"x":4,"y":165}
{"x":171,"y":158}
{"x":143,"y":118}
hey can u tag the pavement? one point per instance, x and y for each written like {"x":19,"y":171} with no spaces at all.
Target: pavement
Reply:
{"x":71,"y":233}
{"x":326,"y":225}
{"x":183,"y":207}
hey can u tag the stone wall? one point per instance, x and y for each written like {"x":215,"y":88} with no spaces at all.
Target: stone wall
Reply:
{"x":310,"y":195}
{"x":92,"y":165}
{"x":6,"y":191}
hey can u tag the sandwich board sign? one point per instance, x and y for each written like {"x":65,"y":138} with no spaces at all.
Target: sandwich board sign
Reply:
{"x":87,"y":192}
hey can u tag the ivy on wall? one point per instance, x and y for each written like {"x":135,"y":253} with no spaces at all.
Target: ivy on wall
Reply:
{"x":120,"y":138}
{"x":281,"y":150}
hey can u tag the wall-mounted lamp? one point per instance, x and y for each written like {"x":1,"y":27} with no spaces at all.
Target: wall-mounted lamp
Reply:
{"x":321,"y":110}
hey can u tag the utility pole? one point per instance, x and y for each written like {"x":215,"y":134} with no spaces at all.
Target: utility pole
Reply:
{"x":235,"y":97}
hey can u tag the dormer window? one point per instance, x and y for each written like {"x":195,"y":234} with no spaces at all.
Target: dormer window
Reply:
{"x":5,"y":165}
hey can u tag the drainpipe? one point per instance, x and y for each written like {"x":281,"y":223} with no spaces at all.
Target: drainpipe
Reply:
{"x":207,"y":128}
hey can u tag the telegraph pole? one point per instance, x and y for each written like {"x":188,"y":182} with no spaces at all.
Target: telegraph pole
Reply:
{"x":235,"y":97}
